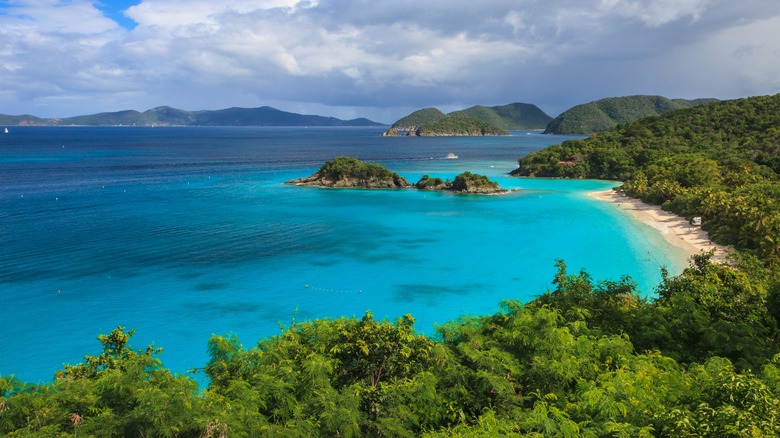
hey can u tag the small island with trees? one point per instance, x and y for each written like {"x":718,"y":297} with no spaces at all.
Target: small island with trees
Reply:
{"x":349,"y":172}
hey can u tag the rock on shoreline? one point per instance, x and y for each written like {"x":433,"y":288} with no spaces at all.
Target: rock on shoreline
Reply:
{"x":348,"y":172}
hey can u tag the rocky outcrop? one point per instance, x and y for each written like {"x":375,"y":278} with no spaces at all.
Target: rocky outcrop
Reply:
{"x":465,"y":183}
{"x":431,"y":184}
{"x":473,"y":183}
{"x":347,"y":172}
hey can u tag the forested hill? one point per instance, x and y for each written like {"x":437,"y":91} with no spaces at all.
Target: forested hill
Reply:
{"x":719,"y":161}
{"x":167,"y":116}
{"x":600,"y":115}
{"x":422,"y":117}
{"x":514,"y":116}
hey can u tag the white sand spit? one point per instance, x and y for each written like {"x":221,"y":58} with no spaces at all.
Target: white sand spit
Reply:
{"x":675,"y":229}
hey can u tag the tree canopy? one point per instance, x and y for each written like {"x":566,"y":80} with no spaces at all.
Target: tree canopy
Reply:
{"x":583,"y":359}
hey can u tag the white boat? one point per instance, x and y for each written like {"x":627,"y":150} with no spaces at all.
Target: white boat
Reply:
{"x":451,"y":156}
{"x":5,"y":131}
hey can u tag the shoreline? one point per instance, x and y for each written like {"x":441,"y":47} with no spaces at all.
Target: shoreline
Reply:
{"x":674,"y":229}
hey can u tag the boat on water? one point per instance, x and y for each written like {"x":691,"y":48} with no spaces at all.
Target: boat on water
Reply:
{"x":451,"y":156}
{"x":5,"y":130}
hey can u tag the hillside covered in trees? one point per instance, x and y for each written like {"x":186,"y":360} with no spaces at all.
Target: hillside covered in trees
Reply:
{"x":600,"y":115}
{"x":514,"y":116}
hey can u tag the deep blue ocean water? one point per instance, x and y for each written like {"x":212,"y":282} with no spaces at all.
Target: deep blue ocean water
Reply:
{"x":181,"y":233}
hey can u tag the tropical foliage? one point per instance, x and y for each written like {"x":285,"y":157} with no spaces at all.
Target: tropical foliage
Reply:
{"x":584,"y":359}
{"x":517,"y":116}
{"x":514,"y":116}
{"x":459,"y":126}
{"x":465,"y":182}
{"x":351,"y":172}
{"x":419,"y":118}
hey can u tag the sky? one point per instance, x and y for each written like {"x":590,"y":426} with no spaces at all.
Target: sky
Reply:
{"x":378,"y":59}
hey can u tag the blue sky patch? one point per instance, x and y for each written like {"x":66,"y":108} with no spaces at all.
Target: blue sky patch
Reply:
{"x":114,"y":9}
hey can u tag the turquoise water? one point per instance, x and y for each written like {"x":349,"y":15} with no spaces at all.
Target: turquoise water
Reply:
{"x":182,"y":233}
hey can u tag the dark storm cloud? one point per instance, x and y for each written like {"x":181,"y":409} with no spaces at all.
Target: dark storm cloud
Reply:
{"x":349,"y":58}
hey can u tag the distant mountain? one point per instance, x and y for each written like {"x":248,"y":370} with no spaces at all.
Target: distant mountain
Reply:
{"x":25,"y":119}
{"x":164,"y":115}
{"x":515,"y":116}
{"x":601,"y":115}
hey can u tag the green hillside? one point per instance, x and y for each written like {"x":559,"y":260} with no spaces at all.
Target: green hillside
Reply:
{"x":419,"y":118}
{"x":515,"y":116}
{"x":21,"y":120}
{"x":129,"y":117}
{"x":459,"y":126}
{"x":600,"y":115}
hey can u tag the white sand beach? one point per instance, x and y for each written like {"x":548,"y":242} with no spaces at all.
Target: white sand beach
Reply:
{"x":675,"y":229}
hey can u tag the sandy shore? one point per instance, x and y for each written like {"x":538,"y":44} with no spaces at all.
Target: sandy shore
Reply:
{"x":675,"y":229}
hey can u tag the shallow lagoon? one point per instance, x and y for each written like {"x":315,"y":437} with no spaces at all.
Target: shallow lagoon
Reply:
{"x":184,"y":232}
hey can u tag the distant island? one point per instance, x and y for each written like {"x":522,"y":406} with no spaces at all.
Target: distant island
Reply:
{"x":167,"y":116}
{"x":349,"y":172}
{"x":477,"y":120}
{"x":601,"y":115}
{"x":452,"y":127}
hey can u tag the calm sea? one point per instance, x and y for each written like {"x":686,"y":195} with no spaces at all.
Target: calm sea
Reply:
{"x":181,"y":233}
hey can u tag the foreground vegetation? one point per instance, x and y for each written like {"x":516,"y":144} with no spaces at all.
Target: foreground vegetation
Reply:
{"x":584,"y":359}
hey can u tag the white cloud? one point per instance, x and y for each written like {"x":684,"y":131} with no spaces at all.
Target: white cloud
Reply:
{"x":657,"y":12}
{"x":55,"y":16}
{"x":554,"y":53}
